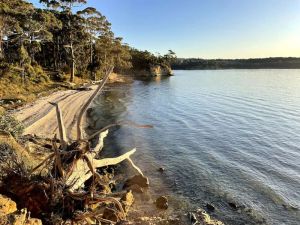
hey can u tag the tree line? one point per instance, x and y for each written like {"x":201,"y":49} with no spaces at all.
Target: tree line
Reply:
{"x":258,"y":63}
{"x":58,"y":38}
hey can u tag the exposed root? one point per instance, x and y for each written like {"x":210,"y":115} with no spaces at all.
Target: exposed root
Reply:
{"x":74,"y":181}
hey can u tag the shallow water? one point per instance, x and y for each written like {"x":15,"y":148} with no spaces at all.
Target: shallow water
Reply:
{"x":223,"y":136}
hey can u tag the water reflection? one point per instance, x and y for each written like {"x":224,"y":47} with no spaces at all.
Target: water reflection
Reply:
{"x":223,"y":136}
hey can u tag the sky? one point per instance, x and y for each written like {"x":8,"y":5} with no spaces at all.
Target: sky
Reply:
{"x":206,"y":28}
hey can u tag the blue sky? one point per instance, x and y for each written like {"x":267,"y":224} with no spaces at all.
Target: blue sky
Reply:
{"x":207,"y":28}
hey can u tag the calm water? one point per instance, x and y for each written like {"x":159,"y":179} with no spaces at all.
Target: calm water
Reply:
{"x":223,"y":136}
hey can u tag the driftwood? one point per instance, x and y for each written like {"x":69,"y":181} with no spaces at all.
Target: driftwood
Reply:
{"x":61,"y":126}
{"x":82,"y":171}
{"x":89,"y":101}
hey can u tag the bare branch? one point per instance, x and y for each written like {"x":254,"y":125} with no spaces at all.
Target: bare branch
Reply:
{"x":89,"y":101}
{"x":57,"y":158}
{"x":61,"y":126}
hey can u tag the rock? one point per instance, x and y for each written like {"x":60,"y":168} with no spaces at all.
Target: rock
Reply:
{"x":33,"y":221}
{"x":205,"y":219}
{"x":160,"y":70}
{"x":232,"y":205}
{"x":127,"y":200}
{"x":136,"y":188}
{"x":19,"y":218}
{"x":210,"y":207}
{"x":139,"y":180}
{"x":161,"y":169}
{"x":110,"y":214}
{"x":162,"y":202}
{"x":124,"y":223}
{"x":7,"y":206}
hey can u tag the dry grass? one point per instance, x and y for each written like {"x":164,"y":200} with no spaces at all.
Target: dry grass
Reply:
{"x":14,"y":89}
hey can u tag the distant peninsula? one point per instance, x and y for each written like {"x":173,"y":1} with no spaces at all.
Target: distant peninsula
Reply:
{"x":253,"y":63}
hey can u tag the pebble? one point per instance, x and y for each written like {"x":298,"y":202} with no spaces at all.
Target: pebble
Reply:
{"x":161,"y":169}
{"x":210,"y":207}
{"x":232,"y":205}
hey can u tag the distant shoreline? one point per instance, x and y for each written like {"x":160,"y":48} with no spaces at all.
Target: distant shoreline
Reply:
{"x":253,"y":63}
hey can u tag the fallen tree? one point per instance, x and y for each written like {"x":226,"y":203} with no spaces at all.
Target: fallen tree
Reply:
{"x":73,"y":188}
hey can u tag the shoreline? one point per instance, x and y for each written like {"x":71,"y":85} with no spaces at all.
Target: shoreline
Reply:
{"x":40,"y":120}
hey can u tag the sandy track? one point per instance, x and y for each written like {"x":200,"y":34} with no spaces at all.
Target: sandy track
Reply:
{"x":39,"y":117}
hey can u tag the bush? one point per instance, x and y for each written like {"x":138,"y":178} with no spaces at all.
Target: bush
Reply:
{"x":11,"y":125}
{"x":36,"y":74}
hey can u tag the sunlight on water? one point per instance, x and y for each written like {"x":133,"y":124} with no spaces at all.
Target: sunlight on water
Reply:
{"x":223,"y":136}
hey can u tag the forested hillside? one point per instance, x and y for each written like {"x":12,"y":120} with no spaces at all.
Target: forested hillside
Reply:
{"x":58,"y":39}
{"x":60,"y":43}
{"x":259,"y":63}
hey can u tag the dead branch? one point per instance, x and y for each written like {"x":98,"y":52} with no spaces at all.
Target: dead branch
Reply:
{"x":58,"y":163}
{"x":89,"y":101}
{"x":42,"y":163}
{"x":61,"y":126}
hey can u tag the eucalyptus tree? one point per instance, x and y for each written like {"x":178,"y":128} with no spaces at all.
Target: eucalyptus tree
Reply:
{"x":70,"y":25}
{"x":13,"y":20}
{"x":170,"y":57}
{"x":95,"y":24}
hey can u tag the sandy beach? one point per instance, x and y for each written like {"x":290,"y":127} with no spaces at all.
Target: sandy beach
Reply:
{"x":39,"y":117}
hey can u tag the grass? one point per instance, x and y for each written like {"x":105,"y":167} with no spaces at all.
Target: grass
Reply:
{"x":37,"y":84}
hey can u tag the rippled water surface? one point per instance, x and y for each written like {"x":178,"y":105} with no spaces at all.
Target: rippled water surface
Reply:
{"x":223,"y":136}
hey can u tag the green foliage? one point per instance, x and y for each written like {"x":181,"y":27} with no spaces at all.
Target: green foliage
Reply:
{"x":145,"y":59}
{"x":36,"y":74}
{"x":11,"y":125}
{"x":23,"y":55}
{"x":65,"y":41}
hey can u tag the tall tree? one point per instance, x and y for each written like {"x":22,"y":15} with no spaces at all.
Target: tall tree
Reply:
{"x":95,"y":25}
{"x":67,"y":7}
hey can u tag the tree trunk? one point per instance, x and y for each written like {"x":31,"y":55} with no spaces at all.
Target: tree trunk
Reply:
{"x":73,"y":63}
{"x":1,"y":45}
{"x":91,"y":61}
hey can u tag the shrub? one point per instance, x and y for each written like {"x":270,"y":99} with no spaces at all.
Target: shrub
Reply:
{"x":11,"y":125}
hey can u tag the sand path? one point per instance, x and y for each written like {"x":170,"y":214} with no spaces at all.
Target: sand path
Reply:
{"x":39,"y":117}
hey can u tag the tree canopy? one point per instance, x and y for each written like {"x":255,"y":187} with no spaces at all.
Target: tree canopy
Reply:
{"x":59,"y":38}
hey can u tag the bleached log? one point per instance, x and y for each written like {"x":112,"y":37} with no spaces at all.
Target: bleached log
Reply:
{"x":100,"y":143}
{"x":61,"y":126}
{"x":81,"y":171}
{"x":89,"y":101}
